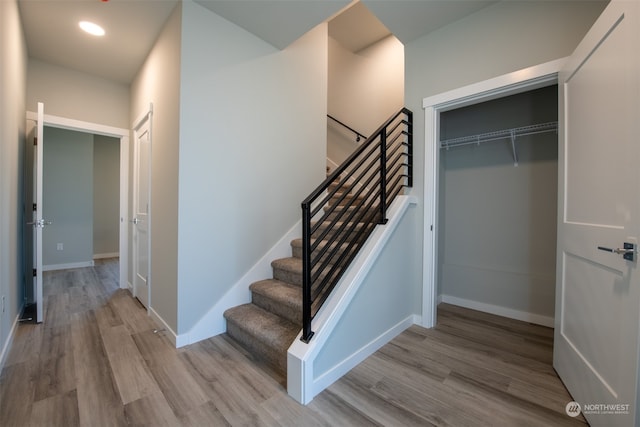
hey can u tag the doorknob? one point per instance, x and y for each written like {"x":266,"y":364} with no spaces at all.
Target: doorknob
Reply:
{"x":135,"y":221}
{"x":628,"y":251}
{"x":40,"y":223}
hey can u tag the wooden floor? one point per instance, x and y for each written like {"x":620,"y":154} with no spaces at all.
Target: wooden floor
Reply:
{"x":96,"y":361}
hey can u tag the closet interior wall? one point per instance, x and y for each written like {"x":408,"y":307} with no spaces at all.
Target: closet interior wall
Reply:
{"x":497,"y":221}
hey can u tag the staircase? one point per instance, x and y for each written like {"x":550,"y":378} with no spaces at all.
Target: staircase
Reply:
{"x":267,"y":326}
{"x":346,"y":216}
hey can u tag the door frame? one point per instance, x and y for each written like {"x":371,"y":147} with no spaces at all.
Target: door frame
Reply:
{"x":123,"y":136}
{"x":508,"y":84}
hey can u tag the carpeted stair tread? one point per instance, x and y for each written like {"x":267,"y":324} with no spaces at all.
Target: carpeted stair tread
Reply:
{"x":262,"y":333}
{"x":288,"y":270}
{"x":351,"y":227}
{"x":291,"y":264}
{"x":278,"y":297}
{"x":342,"y":186}
{"x":332,"y":212}
{"x":296,"y":246}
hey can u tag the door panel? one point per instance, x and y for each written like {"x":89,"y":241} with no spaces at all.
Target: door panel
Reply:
{"x":141,"y":217}
{"x":598,"y":292}
{"x":583,"y":89}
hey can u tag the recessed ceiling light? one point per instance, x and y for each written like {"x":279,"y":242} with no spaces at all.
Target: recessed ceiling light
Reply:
{"x":91,"y":28}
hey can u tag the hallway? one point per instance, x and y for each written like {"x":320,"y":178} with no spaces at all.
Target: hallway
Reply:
{"x":96,"y":360}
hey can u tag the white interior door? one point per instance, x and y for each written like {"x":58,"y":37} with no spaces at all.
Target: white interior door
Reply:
{"x":141,"y":217}
{"x":598,"y":292}
{"x":38,"y":221}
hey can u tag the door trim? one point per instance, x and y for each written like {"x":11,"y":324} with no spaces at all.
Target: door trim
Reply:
{"x":123,"y":135}
{"x":508,"y":84}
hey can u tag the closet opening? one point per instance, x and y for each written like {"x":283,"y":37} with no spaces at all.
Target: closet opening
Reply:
{"x":497,"y":184}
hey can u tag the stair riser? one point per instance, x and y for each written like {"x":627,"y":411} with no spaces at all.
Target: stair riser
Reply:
{"x":339,"y":235}
{"x":347,"y":200}
{"x":295,"y":278}
{"x":343,"y":217}
{"x":343,"y":187}
{"x":291,"y":313}
{"x":257,"y":347}
{"x":297,"y":252}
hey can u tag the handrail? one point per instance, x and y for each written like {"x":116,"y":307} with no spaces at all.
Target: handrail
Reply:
{"x":347,"y":207}
{"x":358,"y":134}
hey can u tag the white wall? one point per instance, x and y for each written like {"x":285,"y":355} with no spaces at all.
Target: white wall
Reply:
{"x":67,"y":180}
{"x":158,"y":82}
{"x":502,"y":38}
{"x":13,"y":69}
{"x":75,"y":95}
{"x":365,"y":89}
{"x":252,"y":147}
{"x":106,"y":195}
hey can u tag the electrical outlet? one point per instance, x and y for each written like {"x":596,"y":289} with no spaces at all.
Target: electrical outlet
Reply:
{"x":60,"y":247}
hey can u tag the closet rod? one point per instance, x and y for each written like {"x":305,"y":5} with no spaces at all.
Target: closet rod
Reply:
{"x":500,"y":134}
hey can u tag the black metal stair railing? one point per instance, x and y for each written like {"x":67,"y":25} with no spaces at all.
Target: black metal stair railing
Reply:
{"x":339,"y":216}
{"x":359,"y":136}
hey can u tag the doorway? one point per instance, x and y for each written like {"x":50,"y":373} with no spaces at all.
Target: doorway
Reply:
{"x":510,"y":84}
{"x":122,"y":135}
{"x":80,"y":196}
{"x":497,"y":201}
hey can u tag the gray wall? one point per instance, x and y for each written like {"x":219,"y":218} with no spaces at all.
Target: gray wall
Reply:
{"x":81,"y":196}
{"x":252,"y":147}
{"x":106,"y":195}
{"x":502,"y":38}
{"x":384,"y":300}
{"x":497,"y":235}
{"x":158,"y":81}
{"x":75,"y":95}
{"x":13,"y":69}
{"x":67,"y":175}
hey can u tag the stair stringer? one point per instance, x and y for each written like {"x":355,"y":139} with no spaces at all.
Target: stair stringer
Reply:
{"x":342,"y":336}
{"x":213,"y":322}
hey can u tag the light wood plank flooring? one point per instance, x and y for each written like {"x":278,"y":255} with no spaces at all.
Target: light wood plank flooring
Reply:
{"x":96,"y":361}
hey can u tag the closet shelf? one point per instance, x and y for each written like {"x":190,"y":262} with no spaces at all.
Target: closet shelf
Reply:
{"x":500,"y":134}
{"x":512,"y":133}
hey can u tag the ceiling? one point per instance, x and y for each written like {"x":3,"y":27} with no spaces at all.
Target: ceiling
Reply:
{"x":52,"y":33}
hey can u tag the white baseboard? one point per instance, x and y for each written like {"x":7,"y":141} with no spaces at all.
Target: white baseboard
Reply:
{"x":213,"y":322}
{"x":6,"y":347}
{"x":525,"y":316}
{"x":107,"y":255}
{"x":332,"y":165}
{"x":52,"y":267}
{"x":164,"y":327}
{"x":335,"y":373}
{"x":302,"y":385}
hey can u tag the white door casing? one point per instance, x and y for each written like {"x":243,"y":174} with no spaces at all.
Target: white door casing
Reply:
{"x":38,"y":221}
{"x":509,"y":84}
{"x":98,"y":129}
{"x":597,"y":292}
{"x":141,"y":212}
